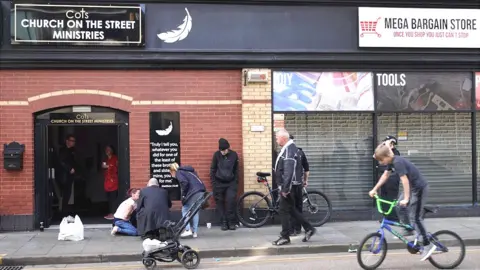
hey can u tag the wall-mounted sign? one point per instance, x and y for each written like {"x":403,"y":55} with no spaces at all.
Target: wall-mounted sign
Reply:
{"x":419,"y":27}
{"x":477,"y":87}
{"x":82,"y":118}
{"x":402,"y":136}
{"x":216,"y":27}
{"x":322,"y":91}
{"x":44,"y":24}
{"x":165,"y":149}
{"x":427,"y":91}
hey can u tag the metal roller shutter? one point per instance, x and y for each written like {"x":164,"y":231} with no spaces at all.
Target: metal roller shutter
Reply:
{"x":339,"y":149}
{"x":440,"y":145}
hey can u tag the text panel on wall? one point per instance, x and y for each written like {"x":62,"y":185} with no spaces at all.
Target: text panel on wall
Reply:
{"x":426,"y":91}
{"x":477,"y":96}
{"x":322,"y":91}
{"x":339,"y":148}
{"x":477,"y":91}
{"x":440,"y":145}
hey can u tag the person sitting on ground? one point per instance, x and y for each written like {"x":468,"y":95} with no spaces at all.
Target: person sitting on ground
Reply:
{"x":192,"y":190}
{"x":121,"y":218}
{"x":153,"y":209}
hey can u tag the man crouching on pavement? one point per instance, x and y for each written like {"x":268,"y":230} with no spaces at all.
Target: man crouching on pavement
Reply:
{"x":288,"y":168}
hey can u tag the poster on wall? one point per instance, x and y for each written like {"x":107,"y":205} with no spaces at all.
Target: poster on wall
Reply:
{"x":165,"y":149}
{"x":43,"y":24}
{"x":477,"y":87}
{"x":426,"y":91}
{"x":322,"y":91}
{"x":418,"y":27}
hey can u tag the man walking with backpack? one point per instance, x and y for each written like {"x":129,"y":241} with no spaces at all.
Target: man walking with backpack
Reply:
{"x":224,"y":179}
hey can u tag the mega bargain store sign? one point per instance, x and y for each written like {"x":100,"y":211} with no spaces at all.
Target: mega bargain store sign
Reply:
{"x":418,"y":28}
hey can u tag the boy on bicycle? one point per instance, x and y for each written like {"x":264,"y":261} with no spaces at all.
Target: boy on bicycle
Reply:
{"x":415,"y":189}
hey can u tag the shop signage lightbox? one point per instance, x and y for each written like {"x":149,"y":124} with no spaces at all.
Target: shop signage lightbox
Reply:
{"x":426,"y":91}
{"x":82,"y":118}
{"x":477,"y":91}
{"x":43,"y":24}
{"x":165,"y":150}
{"x":418,"y":28}
{"x":322,"y":91}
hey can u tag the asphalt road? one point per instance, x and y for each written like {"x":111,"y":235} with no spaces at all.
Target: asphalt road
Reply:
{"x":396,"y":259}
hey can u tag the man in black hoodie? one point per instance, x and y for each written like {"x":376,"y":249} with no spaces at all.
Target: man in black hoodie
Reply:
{"x":390,"y":190}
{"x":66,"y":168}
{"x":224,"y":178}
{"x":289,"y":171}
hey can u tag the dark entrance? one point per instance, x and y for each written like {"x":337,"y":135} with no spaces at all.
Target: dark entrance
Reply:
{"x":94,"y":128}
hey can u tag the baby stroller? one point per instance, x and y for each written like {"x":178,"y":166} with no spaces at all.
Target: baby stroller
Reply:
{"x":171,"y":249}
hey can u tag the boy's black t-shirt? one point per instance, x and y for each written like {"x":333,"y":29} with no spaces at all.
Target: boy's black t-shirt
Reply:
{"x":402,"y":166}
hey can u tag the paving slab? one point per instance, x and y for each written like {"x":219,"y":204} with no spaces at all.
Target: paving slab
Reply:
{"x":40,"y":248}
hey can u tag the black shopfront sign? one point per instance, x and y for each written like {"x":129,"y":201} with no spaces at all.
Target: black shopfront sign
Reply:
{"x":165,"y":149}
{"x":426,"y":91}
{"x":43,"y":24}
{"x":82,"y":119}
{"x":217,"y":27}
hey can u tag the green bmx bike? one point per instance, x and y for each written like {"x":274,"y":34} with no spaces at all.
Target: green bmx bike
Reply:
{"x":449,"y":254}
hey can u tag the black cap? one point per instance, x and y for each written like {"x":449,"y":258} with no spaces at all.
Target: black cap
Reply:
{"x":392,"y":138}
{"x":223,"y":144}
{"x":291,"y":137}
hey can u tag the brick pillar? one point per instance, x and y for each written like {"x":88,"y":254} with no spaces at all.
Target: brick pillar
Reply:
{"x":257,"y":146}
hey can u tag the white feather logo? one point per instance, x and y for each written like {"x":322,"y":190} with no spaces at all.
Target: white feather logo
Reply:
{"x":165,"y":132}
{"x":180,"y":33}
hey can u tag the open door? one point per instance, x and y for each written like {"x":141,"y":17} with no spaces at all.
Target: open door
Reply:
{"x":123,"y":160}
{"x":43,"y":175}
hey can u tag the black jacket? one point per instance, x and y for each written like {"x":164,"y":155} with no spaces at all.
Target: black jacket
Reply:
{"x":66,"y":162}
{"x":289,"y":170}
{"x":153,"y":209}
{"x":190,"y":183}
{"x":224,"y":168}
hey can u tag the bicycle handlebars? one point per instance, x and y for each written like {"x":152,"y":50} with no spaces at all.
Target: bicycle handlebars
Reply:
{"x":379,"y":205}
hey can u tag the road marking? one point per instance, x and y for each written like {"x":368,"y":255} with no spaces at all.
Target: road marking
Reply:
{"x":248,"y":260}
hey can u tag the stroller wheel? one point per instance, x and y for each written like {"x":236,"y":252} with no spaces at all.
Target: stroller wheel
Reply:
{"x":149,"y":263}
{"x":180,"y":253}
{"x":190,"y":259}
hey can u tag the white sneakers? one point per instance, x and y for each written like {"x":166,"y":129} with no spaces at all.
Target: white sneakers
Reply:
{"x":114,"y":230}
{"x":189,"y":234}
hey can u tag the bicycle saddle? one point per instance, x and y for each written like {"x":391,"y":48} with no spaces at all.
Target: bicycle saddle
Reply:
{"x":428,"y":209}
{"x":263,"y":174}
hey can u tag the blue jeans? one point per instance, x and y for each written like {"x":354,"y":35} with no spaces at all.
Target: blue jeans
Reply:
{"x":125,"y":227}
{"x":191,"y":201}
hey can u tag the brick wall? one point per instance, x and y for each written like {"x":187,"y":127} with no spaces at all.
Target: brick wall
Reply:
{"x":257,"y":146}
{"x":209,"y":103}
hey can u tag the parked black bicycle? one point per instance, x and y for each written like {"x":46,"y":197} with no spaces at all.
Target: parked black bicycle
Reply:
{"x":254,"y":208}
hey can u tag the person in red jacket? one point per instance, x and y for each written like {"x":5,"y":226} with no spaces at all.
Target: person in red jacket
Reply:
{"x":110,"y":165}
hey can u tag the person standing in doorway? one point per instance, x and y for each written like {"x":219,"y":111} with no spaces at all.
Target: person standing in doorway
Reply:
{"x":224,"y":178}
{"x":66,"y":172}
{"x":288,"y":170}
{"x":110,"y":166}
{"x":297,"y":188}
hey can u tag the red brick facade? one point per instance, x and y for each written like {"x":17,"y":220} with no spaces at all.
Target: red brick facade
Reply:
{"x":201,"y":125}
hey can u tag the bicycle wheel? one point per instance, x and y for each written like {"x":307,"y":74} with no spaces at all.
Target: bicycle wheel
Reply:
{"x":254,"y":209}
{"x":372,"y":246}
{"x":450,"y":250}
{"x":317,"y":208}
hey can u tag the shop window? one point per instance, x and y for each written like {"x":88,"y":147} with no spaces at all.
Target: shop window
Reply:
{"x":339,"y":148}
{"x":440,"y":145}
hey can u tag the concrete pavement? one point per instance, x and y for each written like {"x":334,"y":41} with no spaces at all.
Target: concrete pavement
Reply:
{"x":35,"y":248}
{"x":397,"y":259}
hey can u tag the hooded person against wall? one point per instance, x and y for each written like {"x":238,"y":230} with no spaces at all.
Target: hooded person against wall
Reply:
{"x":224,"y":179}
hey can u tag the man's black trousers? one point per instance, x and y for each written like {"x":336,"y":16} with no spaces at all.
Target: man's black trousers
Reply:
{"x":288,"y":210}
{"x":298,"y":192}
{"x":225,"y":199}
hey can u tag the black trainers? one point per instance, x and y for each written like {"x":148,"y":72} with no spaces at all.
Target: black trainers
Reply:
{"x":232,"y":227}
{"x":281,"y":241}
{"x":309,"y":234}
{"x":224,"y":227}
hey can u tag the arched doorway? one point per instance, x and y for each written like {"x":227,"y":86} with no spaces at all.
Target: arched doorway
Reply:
{"x":93,"y":128}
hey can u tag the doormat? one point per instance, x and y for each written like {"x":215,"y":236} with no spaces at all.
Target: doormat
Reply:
{"x":11,"y":267}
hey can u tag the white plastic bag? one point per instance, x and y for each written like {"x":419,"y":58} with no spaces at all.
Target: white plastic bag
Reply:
{"x":71,"y":231}
{"x":149,"y":244}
